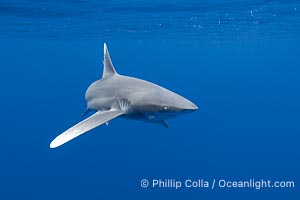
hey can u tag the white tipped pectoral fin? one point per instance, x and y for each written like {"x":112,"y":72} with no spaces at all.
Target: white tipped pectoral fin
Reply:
{"x":89,"y":123}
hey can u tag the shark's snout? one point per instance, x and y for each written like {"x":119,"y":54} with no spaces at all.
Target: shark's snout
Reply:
{"x":187,"y":105}
{"x":190,"y":107}
{"x":193,"y":107}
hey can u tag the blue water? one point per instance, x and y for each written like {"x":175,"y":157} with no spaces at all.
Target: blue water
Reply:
{"x":237,"y":60}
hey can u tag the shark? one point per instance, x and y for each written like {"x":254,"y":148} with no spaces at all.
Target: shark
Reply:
{"x":116,"y":95}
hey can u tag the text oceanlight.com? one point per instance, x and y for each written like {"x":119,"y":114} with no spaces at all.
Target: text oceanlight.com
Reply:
{"x":216,"y":183}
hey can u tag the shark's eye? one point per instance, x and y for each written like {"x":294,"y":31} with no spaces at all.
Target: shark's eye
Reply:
{"x":165,"y":108}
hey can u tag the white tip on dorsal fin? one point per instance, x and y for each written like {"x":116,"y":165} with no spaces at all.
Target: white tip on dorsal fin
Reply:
{"x":108,"y":69}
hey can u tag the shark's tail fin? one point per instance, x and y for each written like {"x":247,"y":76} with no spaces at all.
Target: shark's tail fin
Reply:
{"x":108,"y":69}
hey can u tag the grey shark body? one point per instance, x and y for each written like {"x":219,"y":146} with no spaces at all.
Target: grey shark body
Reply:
{"x":115,"y":95}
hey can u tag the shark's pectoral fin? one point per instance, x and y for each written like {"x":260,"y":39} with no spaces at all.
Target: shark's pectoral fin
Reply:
{"x":89,"y":123}
{"x":164,"y":123}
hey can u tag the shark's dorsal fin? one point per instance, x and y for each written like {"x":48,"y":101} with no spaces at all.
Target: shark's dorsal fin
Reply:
{"x":108,"y":69}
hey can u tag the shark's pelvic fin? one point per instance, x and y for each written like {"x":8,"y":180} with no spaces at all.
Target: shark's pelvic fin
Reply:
{"x":89,"y":123}
{"x":108,"y":69}
{"x":164,"y":123}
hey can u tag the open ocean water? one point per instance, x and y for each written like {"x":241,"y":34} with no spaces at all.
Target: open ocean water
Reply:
{"x":237,"y":60}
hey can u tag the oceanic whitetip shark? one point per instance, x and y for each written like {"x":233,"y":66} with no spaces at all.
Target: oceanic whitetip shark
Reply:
{"x":115,"y":95}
